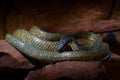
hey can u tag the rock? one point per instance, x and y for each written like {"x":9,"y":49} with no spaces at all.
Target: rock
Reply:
{"x":21,"y":61}
{"x":11,"y":69}
{"x":13,"y":66}
{"x":97,"y":26}
{"x":69,"y":70}
{"x":114,"y":57}
{"x":54,"y":14}
{"x":112,"y":70}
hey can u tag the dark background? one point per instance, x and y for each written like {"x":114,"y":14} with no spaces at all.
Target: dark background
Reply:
{"x":51,"y":13}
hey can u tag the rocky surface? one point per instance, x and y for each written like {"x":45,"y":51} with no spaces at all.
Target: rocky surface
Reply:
{"x":15,"y":66}
{"x":69,"y":70}
{"x":54,"y":14}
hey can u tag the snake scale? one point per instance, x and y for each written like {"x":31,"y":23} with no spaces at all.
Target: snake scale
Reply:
{"x":42,"y":45}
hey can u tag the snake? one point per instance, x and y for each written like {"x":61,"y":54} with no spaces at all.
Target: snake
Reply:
{"x":87,"y":39}
{"x":43,"y":45}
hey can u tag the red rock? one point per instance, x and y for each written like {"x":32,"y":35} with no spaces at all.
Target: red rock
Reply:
{"x":12,"y":57}
{"x":71,"y":70}
{"x":114,"y":57}
{"x":10,"y":68}
{"x":96,"y":26}
{"x":13,"y":66}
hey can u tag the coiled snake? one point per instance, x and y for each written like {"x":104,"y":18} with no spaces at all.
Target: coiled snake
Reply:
{"x":45,"y":46}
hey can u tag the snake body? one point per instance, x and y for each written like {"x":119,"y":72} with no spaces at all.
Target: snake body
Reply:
{"x":85,"y":39}
{"x":36,"y":44}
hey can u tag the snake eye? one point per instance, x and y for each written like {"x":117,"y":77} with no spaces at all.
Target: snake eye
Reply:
{"x":61,"y":45}
{"x":63,"y":42}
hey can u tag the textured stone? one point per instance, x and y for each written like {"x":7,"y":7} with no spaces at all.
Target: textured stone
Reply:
{"x":114,"y":57}
{"x":13,"y":63}
{"x":69,"y":70}
{"x":54,"y":14}
{"x":11,"y":69}
{"x":20,"y":60}
{"x":13,"y":66}
{"x":97,"y":26}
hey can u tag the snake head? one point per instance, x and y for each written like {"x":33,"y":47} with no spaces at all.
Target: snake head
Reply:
{"x":63,"y":43}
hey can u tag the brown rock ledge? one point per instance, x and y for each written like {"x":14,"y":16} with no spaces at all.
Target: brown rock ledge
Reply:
{"x":15,"y":66}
